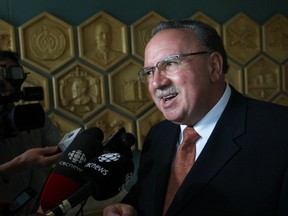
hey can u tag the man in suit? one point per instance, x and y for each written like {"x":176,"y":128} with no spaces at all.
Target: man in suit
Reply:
{"x":241,"y":162}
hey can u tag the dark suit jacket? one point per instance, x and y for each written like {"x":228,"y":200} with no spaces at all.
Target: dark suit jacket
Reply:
{"x":243,"y":169}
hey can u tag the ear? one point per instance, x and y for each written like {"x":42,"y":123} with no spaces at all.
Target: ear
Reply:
{"x":216,"y":65}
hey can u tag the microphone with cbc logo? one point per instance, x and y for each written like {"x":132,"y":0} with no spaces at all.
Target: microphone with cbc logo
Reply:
{"x":66,"y":177}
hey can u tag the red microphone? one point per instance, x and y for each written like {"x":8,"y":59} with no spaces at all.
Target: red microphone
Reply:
{"x":66,"y":177}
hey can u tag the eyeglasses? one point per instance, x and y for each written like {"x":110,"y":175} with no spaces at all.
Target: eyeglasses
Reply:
{"x":167,"y":66}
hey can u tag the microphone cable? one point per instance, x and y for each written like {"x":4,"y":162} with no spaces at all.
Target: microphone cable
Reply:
{"x":81,"y":210}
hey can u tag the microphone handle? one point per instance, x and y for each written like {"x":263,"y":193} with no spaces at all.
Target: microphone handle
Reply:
{"x":77,"y":197}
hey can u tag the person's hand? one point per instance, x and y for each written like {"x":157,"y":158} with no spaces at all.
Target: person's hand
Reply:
{"x":32,"y":158}
{"x":40,"y":157}
{"x":119,"y":209}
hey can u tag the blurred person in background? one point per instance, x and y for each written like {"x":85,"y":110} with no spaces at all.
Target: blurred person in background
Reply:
{"x":26,"y":159}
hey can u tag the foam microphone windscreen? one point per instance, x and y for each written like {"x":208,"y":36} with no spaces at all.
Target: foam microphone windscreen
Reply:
{"x":109,"y":174}
{"x":120,"y":142}
{"x":106,"y":176}
{"x":66,"y":177}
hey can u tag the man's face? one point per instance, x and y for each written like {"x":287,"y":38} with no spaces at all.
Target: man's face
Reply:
{"x":5,"y":87}
{"x":103,"y":36}
{"x":184,"y":96}
{"x":78,"y":88}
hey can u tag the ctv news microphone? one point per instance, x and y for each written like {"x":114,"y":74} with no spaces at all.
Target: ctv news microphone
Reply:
{"x":116,"y":164}
{"x":120,"y":142}
{"x":107,"y":175}
{"x":66,"y":177}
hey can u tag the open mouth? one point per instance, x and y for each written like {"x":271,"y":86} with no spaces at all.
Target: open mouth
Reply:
{"x":169,"y":97}
{"x":167,"y":94}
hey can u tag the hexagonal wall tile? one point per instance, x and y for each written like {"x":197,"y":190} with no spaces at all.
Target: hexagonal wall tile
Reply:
{"x":46,"y":42}
{"x":145,"y":122}
{"x":275,"y":37}
{"x":281,"y":99}
{"x":242,"y":38}
{"x":109,"y":122}
{"x":7,"y":36}
{"x":262,"y":78}
{"x":141,"y":32}
{"x":79,"y":91}
{"x":285,"y":77}
{"x":103,"y":40}
{"x":204,"y":18}
{"x":63,"y":124}
{"x":235,"y":76}
{"x":127,"y":92}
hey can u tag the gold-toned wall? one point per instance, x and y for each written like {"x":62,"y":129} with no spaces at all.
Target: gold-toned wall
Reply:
{"x":89,"y":85}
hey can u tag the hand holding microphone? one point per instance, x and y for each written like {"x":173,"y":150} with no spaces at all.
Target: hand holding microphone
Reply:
{"x":40,"y":157}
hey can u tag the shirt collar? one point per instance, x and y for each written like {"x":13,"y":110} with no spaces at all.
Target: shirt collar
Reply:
{"x":206,"y":125}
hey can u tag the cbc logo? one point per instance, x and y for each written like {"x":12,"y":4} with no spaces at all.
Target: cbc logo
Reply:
{"x":109,"y":157}
{"x":77,"y":156}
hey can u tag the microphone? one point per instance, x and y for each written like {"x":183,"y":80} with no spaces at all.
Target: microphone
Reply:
{"x":68,"y":138}
{"x":107,"y":175}
{"x":120,"y":142}
{"x":115,"y":164}
{"x":66,"y":177}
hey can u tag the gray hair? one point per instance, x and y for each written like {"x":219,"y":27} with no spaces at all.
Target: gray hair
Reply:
{"x":207,"y":35}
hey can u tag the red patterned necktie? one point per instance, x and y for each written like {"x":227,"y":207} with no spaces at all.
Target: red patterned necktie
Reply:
{"x":184,"y":160}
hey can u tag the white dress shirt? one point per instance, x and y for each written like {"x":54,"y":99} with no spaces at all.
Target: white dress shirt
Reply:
{"x":206,"y":125}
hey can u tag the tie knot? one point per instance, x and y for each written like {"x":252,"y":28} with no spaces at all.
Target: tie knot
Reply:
{"x":190,"y":135}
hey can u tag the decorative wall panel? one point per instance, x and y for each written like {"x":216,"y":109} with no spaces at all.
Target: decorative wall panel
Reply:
{"x":127,"y":92}
{"x":241,"y":36}
{"x":113,"y":97}
{"x":64,"y":124}
{"x":262,"y":79}
{"x":79,"y":91}
{"x":275,"y":38}
{"x":235,"y":76}
{"x":103,"y":40}
{"x":204,"y":18}
{"x":145,"y":122}
{"x":141,"y":32}
{"x":110,"y":121}
{"x":46,"y":42}
{"x":7,"y":36}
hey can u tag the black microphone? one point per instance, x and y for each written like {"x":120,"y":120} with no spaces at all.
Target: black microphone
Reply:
{"x":107,"y":175}
{"x":120,"y":142}
{"x":66,"y":177}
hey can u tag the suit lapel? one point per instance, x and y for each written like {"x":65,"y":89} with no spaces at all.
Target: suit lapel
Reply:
{"x":219,"y":149}
{"x":167,"y":150}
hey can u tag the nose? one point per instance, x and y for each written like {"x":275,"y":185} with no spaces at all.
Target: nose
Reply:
{"x":159,"y":79}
